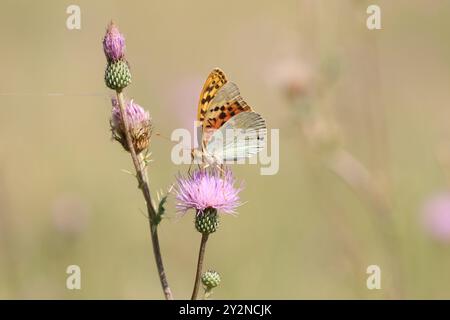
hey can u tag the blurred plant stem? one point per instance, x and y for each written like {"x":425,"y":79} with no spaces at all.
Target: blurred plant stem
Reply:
{"x":6,"y":242}
{"x":323,"y":136}
{"x":344,"y":165}
{"x":142,"y":177}
{"x":201,"y":256}
{"x":351,"y":249}
{"x":323,"y":139}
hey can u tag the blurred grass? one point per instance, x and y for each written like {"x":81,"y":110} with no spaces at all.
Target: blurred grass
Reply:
{"x":292,"y":237}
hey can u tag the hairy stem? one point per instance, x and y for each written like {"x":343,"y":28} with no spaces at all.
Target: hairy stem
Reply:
{"x":201,"y":256}
{"x":142,"y":178}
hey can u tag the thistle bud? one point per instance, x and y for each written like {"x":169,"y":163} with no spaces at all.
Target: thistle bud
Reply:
{"x":113,"y":44}
{"x":117,"y":75}
{"x":210,"y":279}
{"x":139,"y":124}
{"x":207,"y":222}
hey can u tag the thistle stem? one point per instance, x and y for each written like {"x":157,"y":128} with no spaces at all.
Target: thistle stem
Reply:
{"x":201,"y":256}
{"x":208,"y":292}
{"x":141,"y":175}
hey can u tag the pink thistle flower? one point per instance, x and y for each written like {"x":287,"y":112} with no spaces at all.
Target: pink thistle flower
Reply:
{"x":436,"y":217}
{"x":140,"y":125}
{"x":294,"y":77}
{"x":207,"y":189}
{"x":70,"y":214}
{"x":113,"y":43}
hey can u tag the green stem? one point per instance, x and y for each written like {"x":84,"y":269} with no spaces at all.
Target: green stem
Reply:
{"x":207,"y":294}
{"x":141,"y":175}
{"x":201,"y":256}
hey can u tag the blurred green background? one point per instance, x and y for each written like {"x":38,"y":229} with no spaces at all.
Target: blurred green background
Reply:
{"x":364,"y":142}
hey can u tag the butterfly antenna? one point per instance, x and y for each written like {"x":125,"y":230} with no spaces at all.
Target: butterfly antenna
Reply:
{"x":162,"y":136}
{"x":168,"y":139}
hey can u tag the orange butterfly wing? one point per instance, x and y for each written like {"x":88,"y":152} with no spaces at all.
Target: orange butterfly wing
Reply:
{"x":220,"y":100}
{"x":213,"y":83}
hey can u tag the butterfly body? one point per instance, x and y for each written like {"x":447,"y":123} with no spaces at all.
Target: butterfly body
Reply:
{"x":230,"y":129}
{"x":201,"y":157}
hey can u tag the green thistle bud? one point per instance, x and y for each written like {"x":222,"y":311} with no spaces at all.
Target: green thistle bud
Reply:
{"x":117,"y":75}
{"x":207,"y":222}
{"x":210,"y":279}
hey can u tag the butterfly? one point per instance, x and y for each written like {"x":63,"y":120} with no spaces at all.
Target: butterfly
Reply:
{"x":230,"y":129}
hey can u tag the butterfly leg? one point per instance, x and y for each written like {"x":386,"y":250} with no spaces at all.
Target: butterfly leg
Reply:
{"x":221,"y":168}
{"x":204,"y":164}
{"x":192,"y":161}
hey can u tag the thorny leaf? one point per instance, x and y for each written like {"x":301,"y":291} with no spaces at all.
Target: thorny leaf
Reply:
{"x":161,"y":210}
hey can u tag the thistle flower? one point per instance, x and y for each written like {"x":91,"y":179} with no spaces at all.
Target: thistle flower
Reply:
{"x":140,"y":125}
{"x":436,"y":217}
{"x":117,"y":73}
{"x":207,"y":189}
{"x":294,"y":77}
{"x":113,"y":44}
{"x":207,"y":192}
{"x":70,"y":214}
